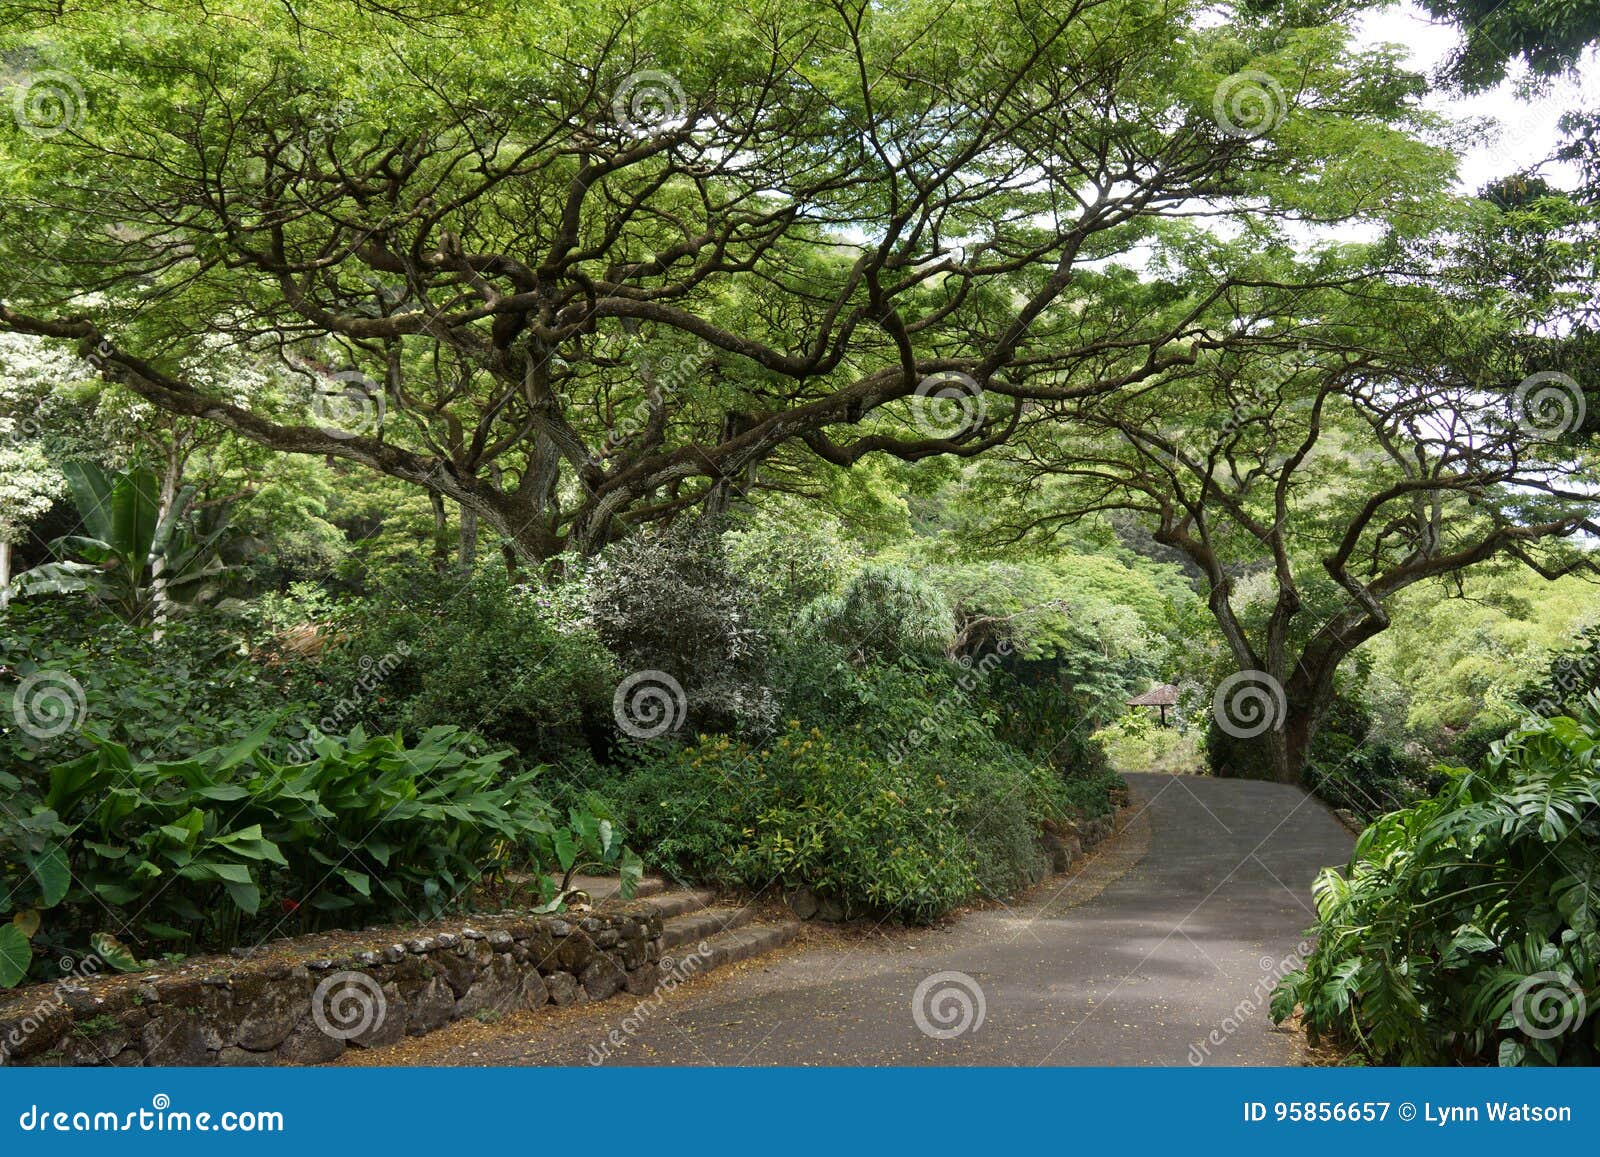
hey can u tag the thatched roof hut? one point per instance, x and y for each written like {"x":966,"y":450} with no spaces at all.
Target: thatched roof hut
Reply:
{"x":1162,"y":696}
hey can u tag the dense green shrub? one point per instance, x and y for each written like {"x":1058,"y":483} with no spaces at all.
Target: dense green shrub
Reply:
{"x":861,"y":736}
{"x":1467,"y":928}
{"x":1369,"y":779}
{"x":808,"y":809}
{"x":999,"y":807}
{"x":1137,"y":742}
{"x":788,"y":560}
{"x":882,"y":613}
{"x":1233,"y":758}
{"x":1561,"y":687}
{"x":502,"y":659}
{"x":668,"y":602}
{"x":230,"y":843}
{"x":161,"y":693}
{"x":1044,"y":717}
{"x":1016,"y":755}
{"x":1352,"y":766}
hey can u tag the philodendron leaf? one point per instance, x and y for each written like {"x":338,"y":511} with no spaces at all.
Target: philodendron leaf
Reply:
{"x":566,"y":849}
{"x":27,"y":922}
{"x":49,"y":868}
{"x":15,"y":955}
{"x":246,"y":895}
{"x":632,"y":871}
{"x":114,"y":952}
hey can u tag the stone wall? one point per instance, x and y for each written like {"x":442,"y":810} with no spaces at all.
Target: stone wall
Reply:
{"x":1068,"y":841}
{"x":306,"y":1000}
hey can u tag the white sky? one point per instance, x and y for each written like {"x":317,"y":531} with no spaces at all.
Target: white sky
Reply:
{"x":1527,"y":126}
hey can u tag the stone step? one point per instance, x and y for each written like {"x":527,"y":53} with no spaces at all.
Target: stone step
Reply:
{"x":692,"y":927}
{"x":671,"y":904}
{"x":606,"y":887}
{"x":742,"y":943}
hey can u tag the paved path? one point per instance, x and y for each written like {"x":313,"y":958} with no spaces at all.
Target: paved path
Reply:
{"x":1171,"y":962}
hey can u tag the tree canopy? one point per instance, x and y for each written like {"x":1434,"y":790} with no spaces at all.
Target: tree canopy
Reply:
{"x":583,"y":268}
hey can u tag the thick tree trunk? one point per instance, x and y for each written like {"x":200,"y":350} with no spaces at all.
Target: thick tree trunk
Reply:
{"x":1291,"y":744}
{"x":468,"y":546}
{"x":1279,"y":752}
{"x":441,"y":532}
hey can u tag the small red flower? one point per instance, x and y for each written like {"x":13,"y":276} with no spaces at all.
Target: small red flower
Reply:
{"x":290,"y":906}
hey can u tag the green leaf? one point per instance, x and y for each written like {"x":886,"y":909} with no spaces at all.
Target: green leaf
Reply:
{"x":114,"y":952}
{"x":163,"y":931}
{"x":566,"y":848}
{"x":16,"y":954}
{"x":49,"y":869}
{"x":247,"y":896}
{"x":631,"y":872}
{"x":230,"y":873}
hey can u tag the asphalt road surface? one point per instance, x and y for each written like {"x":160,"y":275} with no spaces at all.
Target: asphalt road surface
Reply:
{"x":1170,"y":963}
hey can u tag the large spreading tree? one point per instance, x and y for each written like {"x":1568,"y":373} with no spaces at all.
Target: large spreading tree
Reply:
{"x":583,"y":266}
{"x":1385,"y":438}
